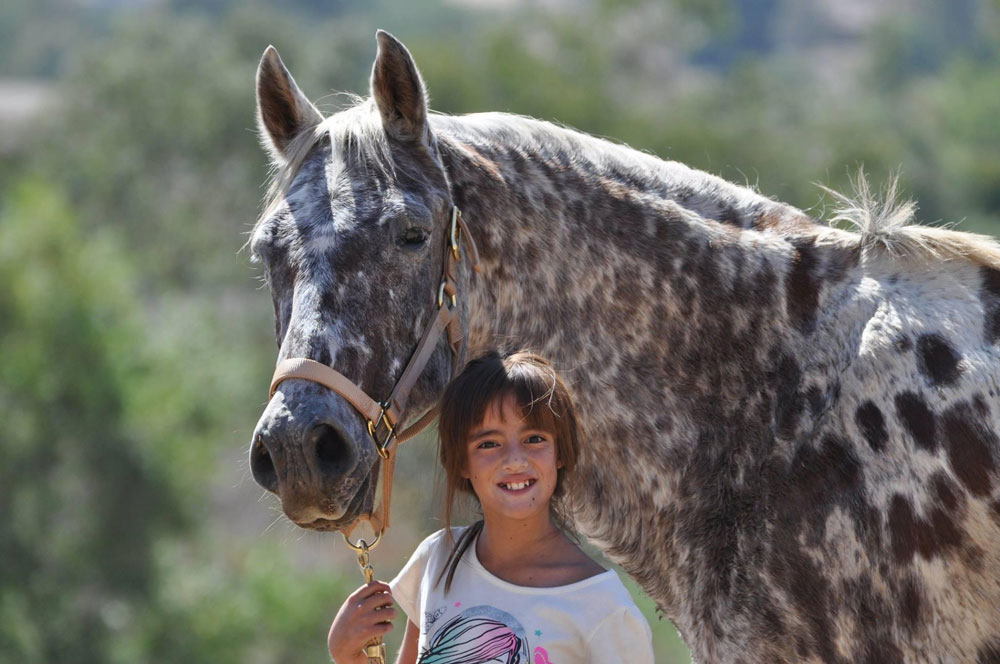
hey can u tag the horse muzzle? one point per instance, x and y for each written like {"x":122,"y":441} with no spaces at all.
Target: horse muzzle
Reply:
{"x":312,"y":451}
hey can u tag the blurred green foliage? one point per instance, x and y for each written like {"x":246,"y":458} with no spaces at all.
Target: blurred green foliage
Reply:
{"x":82,"y":499}
{"x":135,"y":341}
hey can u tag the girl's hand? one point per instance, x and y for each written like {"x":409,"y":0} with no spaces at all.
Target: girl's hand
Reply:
{"x":364,"y":615}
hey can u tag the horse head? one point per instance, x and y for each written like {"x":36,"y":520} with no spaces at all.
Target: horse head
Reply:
{"x":352,"y":243}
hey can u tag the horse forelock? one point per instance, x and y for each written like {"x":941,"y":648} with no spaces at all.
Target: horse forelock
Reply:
{"x":356,"y":131}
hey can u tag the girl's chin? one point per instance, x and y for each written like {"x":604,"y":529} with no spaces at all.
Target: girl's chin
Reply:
{"x":530,"y":511}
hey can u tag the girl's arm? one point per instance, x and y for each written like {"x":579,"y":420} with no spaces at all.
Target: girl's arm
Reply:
{"x":408,"y":649}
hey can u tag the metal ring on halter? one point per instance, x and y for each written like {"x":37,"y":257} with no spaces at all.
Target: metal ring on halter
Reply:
{"x":382,"y":447}
{"x":456,"y":231}
{"x":363,"y":546}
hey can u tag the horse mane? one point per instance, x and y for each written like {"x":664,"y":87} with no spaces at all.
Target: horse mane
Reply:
{"x":883,"y":223}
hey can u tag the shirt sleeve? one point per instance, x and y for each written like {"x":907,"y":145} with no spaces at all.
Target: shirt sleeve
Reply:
{"x":406,"y":586}
{"x":624,"y":637}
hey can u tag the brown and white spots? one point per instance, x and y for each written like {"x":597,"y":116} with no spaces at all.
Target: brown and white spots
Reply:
{"x":937,"y":360}
{"x":971,"y":446}
{"x":990,"y":295}
{"x":911,"y":603}
{"x":911,"y":534}
{"x":802,"y":286}
{"x":918,"y":420}
{"x":869,"y":419}
{"x":945,"y":492}
{"x":989,"y":652}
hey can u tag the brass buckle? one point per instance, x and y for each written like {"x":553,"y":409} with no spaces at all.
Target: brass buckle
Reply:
{"x":455,"y":234}
{"x":382,"y":447}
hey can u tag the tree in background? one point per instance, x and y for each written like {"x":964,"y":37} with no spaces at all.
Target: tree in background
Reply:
{"x":83,"y":497}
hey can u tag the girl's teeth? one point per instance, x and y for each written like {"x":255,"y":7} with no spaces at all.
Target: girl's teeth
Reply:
{"x":517,"y":486}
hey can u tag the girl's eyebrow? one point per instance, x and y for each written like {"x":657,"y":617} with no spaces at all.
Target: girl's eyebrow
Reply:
{"x":496,"y":432}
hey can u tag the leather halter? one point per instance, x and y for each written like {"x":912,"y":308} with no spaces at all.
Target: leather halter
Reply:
{"x":383,"y":416}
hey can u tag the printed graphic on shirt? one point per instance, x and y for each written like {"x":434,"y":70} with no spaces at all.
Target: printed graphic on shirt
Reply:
{"x":431,"y":618}
{"x":479,"y":635}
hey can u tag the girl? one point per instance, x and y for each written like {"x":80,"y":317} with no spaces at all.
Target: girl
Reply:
{"x":512,"y":588}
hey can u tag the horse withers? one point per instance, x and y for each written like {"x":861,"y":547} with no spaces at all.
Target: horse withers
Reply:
{"x":792,"y":437}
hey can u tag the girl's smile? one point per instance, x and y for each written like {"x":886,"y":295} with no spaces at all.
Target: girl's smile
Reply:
{"x":511,"y":464}
{"x":517,"y":486}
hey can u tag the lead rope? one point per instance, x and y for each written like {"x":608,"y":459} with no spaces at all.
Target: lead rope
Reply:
{"x":375,"y":649}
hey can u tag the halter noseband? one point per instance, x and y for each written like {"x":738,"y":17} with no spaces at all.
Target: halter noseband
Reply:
{"x":387,"y":414}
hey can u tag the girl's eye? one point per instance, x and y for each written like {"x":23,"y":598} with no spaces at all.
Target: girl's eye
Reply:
{"x":536,"y":439}
{"x":486,"y":445}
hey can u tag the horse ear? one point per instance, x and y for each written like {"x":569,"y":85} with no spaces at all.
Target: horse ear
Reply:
{"x":398,"y":90}
{"x":283,"y":112}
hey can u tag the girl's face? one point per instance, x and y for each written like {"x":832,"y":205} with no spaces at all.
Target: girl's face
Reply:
{"x":512,"y":466}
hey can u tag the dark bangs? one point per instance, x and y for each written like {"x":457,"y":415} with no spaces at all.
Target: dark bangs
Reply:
{"x":486,"y":382}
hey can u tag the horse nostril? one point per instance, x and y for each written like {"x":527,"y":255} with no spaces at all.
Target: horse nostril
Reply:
{"x":332,"y":450}
{"x":262,"y":467}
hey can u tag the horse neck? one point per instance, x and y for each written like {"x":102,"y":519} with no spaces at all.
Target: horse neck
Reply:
{"x":589,"y":247}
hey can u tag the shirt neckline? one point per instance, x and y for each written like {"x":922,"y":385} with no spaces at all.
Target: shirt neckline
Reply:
{"x":473,"y":560}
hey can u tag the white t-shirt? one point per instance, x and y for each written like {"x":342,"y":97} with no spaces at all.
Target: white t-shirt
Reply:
{"x":486,"y":619}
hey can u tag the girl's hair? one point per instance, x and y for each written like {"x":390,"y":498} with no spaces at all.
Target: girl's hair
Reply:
{"x":544,"y":401}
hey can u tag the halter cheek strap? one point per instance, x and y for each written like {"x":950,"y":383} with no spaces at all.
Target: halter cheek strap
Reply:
{"x":383,"y":417}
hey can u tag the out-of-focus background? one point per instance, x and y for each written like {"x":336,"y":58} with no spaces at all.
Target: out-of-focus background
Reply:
{"x":136,"y":340}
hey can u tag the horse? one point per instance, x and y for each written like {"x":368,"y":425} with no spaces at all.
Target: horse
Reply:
{"x":791,"y":425}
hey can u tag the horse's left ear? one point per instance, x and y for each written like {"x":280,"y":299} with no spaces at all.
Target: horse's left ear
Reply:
{"x":399,"y":91}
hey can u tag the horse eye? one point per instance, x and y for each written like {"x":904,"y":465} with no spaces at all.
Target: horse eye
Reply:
{"x":414,"y":236}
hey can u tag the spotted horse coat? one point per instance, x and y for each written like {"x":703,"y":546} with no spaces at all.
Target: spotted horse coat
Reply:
{"x":792,"y":428}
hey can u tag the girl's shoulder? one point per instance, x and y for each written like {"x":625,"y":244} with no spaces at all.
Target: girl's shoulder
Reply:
{"x":440,"y":539}
{"x":436,"y":548}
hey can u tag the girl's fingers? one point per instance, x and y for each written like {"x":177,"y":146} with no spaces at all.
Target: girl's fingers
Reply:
{"x":369,"y":589}
{"x":365,"y":631}
{"x":377,"y":602}
{"x":382,"y":628}
{"x":367,"y":617}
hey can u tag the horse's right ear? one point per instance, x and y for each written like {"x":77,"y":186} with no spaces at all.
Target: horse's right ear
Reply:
{"x":283,"y":112}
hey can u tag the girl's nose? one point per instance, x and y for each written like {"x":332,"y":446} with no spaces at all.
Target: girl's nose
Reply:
{"x":515,"y":459}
